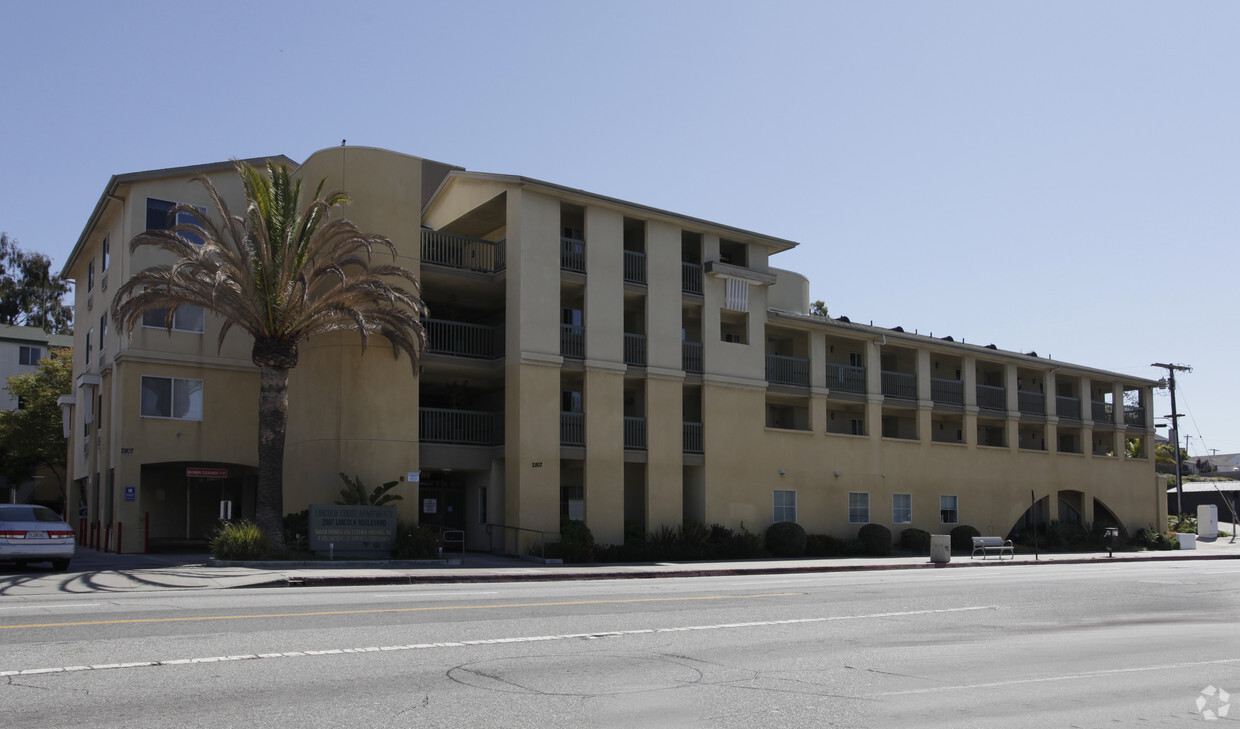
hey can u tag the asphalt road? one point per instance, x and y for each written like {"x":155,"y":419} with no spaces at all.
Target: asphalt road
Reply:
{"x":1021,"y":646}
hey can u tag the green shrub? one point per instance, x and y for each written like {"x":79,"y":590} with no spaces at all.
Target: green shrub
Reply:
{"x":354,"y":493}
{"x":875,"y":540}
{"x":297,"y":529}
{"x":786,"y":539}
{"x":962,"y":538}
{"x":915,"y":540}
{"x":239,"y":540}
{"x":576,"y":542}
{"x":823,"y":545}
{"x":415,"y":541}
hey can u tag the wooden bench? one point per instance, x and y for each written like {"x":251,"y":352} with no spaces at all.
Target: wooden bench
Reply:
{"x":995,"y":545}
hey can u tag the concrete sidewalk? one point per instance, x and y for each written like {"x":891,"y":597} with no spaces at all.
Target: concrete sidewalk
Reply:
{"x":99,"y":572}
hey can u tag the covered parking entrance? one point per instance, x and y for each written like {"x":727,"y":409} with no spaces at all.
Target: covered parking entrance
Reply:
{"x":184,"y":500}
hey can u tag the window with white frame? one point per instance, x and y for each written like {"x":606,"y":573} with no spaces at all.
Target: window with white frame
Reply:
{"x":171,"y":397}
{"x":107,"y":249}
{"x":858,"y":507}
{"x":901,"y":508}
{"x":948,"y":513}
{"x":159,"y":216}
{"x":185,"y":318}
{"x":785,"y":506}
{"x":29,"y":355}
{"x":103,"y":331}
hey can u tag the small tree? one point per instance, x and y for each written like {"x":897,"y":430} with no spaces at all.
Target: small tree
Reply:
{"x":30,"y":294}
{"x":32,"y":436}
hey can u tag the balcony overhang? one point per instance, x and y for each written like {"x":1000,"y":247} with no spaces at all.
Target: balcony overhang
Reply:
{"x":727,"y":270}
{"x":88,"y":380}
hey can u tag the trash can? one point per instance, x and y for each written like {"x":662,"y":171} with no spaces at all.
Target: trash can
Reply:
{"x":1207,"y":521}
{"x":1187,"y":541}
{"x":940,"y":548}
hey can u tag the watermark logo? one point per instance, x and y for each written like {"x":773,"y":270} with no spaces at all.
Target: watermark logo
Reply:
{"x":1213,"y":703}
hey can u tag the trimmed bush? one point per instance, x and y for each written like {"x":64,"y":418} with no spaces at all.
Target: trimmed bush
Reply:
{"x":415,"y":541}
{"x":239,"y":540}
{"x":915,"y":540}
{"x":875,"y":540}
{"x":962,"y":538}
{"x":786,"y":539}
{"x":823,"y":545}
{"x":576,"y":542}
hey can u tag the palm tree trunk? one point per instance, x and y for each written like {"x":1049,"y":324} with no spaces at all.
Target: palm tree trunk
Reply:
{"x":272,"y":424}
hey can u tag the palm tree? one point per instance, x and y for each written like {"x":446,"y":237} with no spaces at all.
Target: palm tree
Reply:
{"x":283,"y":273}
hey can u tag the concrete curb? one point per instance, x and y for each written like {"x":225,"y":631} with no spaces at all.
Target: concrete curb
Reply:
{"x":657,"y":573}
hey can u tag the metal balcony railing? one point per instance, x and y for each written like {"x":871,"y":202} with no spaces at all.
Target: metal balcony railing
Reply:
{"x":990,"y":397}
{"x":691,"y":356}
{"x":573,"y":255}
{"x":572,"y":341}
{"x":899,"y":384}
{"x":466,"y":427}
{"x":845,"y":377}
{"x":1101,"y":411}
{"x":691,"y":277}
{"x":572,"y":429}
{"x":1031,"y":403}
{"x":459,"y":251}
{"x":1068,"y":408}
{"x":693,"y":437}
{"x":635,"y":349}
{"x":950,"y":392}
{"x":785,"y":370}
{"x":1134,"y":415}
{"x":463,"y":339}
{"x":635,"y":267}
{"x":634,"y":433}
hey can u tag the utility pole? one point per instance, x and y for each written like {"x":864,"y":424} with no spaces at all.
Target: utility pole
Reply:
{"x":1175,"y":430}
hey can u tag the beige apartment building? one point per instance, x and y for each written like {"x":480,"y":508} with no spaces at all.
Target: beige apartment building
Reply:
{"x":589,"y":358}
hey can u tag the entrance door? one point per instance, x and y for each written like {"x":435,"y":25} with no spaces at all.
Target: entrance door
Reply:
{"x":441,"y":501}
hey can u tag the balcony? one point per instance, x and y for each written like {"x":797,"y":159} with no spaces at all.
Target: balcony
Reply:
{"x":1101,"y":412}
{"x":784,"y":370}
{"x":990,"y":397}
{"x":947,"y":392}
{"x":463,"y":340}
{"x":1031,"y":403}
{"x":634,"y":433}
{"x":846,"y":378}
{"x":635,"y":349}
{"x":693,"y":438}
{"x":899,"y":384}
{"x":572,"y":341}
{"x":1068,"y":408}
{"x":463,"y":427}
{"x":690,"y":277}
{"x":573,"y":255}
{"x":1134,"y":416}
{"x":635,"y":267}
{"x":463,"y":252}
{"x":572,"y":429}
{"x":691,"y":356}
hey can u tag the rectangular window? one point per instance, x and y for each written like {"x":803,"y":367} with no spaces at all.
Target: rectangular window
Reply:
{"x":171,"y":397}
{"x":159,"y":217}
{"x":482,"y":505}
{"x":29,"y":355}
{"x":106,"y":251}
{"x":858,"y":507}
{"x":573,"y":502}
{"x":857,"y":426}
{"x":901,"y":508}
{"x":785,"y":506}
{"x":947,"y":510}
{"x":90,"y":274}
{"x":856,"y":359}
{"x":186,"y":318}
{"x":103,"y":331}
{"x":89,"y":334}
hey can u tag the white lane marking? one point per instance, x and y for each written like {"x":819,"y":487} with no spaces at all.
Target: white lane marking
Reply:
{"x":1067,"y":677}
{"x":43,"y":607}
{"x":492,"y":641}
{"x":432,"y":594}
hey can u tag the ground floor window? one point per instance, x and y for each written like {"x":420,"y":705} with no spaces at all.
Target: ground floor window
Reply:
{"x":785,"y":506}
{"x":947,"y":510}
{"x":858,"y":507}
{"x":901,"y":508}
{"x":573,"y":502}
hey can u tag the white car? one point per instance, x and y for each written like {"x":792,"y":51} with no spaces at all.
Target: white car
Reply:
{"x":30,"y":533}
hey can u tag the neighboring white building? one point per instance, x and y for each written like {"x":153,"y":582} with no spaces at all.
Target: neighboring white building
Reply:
{"x":21,"y":348}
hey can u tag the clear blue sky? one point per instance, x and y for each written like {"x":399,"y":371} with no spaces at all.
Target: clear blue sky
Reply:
{"x":1052,"y":176}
